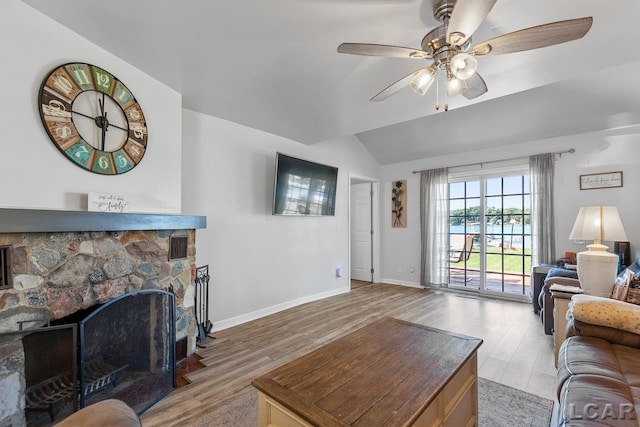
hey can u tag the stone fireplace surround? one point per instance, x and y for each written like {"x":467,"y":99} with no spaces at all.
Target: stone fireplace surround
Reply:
{"x":67,"y":261}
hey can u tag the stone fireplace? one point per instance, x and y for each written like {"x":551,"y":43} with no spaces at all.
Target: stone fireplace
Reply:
{"x":66,"y":262}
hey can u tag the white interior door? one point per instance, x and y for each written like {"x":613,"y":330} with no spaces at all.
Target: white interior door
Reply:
{"x":361,"y":239}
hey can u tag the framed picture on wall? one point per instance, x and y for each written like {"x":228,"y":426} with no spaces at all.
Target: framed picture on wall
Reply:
{"x":601,"y":180}
{"x":399,"y":204}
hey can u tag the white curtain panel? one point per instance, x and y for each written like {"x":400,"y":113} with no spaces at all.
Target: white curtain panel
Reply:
{"x":434,"y":220}
{"x":543,"y":232}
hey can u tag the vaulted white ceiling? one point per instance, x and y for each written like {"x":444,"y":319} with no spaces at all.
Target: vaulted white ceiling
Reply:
{"x":272,"y":65}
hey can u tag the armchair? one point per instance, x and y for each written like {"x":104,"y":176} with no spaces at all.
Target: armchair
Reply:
{"x":560,"y":276}
{"x":565,"y":277}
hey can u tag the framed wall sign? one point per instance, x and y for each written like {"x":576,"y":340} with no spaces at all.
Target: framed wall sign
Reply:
{"x":601,"y":180}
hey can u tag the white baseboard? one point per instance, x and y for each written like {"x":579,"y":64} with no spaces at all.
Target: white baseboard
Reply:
{"x":402,"y":283}
{"x":244,"y":318}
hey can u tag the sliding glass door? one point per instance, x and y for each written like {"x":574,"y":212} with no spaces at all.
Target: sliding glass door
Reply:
{"x":490,"y":234}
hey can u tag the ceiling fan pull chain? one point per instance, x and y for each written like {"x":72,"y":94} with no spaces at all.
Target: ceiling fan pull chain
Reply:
{"x":437,"y":90}
{"x":446,"y":99}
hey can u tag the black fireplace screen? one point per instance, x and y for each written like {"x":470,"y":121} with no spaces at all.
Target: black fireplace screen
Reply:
{"x":127,"y":350}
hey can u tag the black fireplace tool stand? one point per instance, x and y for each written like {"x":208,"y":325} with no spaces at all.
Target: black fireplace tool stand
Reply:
{"x":201,"y":306}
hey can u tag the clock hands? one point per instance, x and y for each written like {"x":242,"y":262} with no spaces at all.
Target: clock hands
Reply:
{"x":100,"y":117}
{"x":103,"y":123}
{"x":96,"y":119}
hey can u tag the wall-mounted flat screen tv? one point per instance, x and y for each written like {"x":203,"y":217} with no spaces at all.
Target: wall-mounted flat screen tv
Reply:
{"x":303,"y":187}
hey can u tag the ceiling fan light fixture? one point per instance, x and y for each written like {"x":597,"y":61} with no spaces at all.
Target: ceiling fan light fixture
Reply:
{"x":456,"y":38}
{"x":423,"y":80}
{"x":463,"y":65}
{"x":456,"y":86}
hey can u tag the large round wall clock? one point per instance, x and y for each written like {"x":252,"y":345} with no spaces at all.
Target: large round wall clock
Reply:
{"x":93,"y":119}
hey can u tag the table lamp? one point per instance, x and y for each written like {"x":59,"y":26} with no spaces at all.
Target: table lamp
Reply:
{"x":597,"y":268}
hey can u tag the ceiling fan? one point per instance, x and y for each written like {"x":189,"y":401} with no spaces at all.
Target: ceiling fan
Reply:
{"x":450,"y":48}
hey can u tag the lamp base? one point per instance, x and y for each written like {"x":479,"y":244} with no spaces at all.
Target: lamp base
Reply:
{"x":597,"y":270}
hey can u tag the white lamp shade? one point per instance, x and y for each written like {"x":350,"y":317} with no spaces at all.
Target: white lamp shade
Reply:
{"x":598,"y":223}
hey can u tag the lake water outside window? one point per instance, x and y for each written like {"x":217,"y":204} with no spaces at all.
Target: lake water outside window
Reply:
{"x":490,"y":234}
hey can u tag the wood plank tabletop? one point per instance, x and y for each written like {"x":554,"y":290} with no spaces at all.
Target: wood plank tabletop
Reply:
{"x":385,"y":373}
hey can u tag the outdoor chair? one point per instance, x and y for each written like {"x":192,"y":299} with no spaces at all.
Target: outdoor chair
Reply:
{"x":460,"y":247}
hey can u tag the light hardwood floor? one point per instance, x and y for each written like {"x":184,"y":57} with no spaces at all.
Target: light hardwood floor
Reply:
{"x":515,"y":352}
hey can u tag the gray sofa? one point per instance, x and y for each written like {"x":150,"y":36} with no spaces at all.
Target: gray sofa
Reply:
{"x":598,"y":379}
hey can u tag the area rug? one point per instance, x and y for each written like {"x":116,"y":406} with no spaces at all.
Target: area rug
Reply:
{"x":498,"y":406}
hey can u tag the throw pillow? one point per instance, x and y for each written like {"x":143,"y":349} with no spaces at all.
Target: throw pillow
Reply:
{"x":605,"y":312}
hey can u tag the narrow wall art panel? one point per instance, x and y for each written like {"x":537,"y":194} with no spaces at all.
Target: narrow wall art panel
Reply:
{"x":399,"y":204}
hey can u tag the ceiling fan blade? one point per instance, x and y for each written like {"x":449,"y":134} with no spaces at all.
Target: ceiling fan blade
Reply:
{"x":369,"y":49}
{"x":394,"y":88}
{"x":477,"y":86}
{"x":535,"y":37}
{"x":466,"y":17}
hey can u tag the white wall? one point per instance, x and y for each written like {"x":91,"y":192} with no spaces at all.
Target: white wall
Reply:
{"x":607,"y":151}
{"x":260,"y":263}
{"x":34,"y":174}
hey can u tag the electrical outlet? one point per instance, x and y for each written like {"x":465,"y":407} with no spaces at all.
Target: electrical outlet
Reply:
{"x":412,"y":270}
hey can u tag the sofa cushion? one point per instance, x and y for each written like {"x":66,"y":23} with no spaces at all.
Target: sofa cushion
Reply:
{"x":588,"y":355}
{"x":594,"y":400}
{"x":562,"y":272}
{"x":598,"y":383}
{"x":612,"y":335}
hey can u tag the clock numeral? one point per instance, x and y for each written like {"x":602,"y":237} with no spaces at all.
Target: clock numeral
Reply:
{"x":59,"y":84}
{"x":80,"y":153}
{"x":138,"y":131}
{"x":82,"y":75}
{"x":63,"y":84}
{"x":134,"y":150}
{"x":64,"y":132}
{"x":122,"y":95}
{"x":134,"y":114}
{"x":104,"y":81}
{"x":55,"y":108}
{"x":103,"y":163}
{"x":122,"y":161}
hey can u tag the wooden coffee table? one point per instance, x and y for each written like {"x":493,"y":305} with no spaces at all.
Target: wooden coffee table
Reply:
{"x":390,"y":372}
